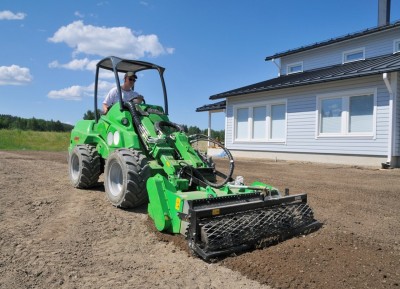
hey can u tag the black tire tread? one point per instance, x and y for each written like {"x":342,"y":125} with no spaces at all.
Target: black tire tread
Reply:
{"x":138,"y":171}
{"x":90,"y":170}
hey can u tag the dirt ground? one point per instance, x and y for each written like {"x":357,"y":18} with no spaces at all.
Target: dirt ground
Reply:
{"x":55,"y":236}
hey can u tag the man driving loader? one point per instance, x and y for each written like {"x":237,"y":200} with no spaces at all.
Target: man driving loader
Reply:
{"x":127,"y":90}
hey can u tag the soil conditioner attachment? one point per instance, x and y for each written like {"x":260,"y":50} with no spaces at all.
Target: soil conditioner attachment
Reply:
{"x":147,"y":159}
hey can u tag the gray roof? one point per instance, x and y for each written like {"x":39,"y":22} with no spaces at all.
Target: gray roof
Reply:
{"x":213,"y":106}
{"x":371,"y":66}
{"x":335,"y":40}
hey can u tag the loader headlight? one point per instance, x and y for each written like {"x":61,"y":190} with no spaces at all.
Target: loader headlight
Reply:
{"x":113,"y":138}
{"x":110,"y":138}
{"x":116,"y":138}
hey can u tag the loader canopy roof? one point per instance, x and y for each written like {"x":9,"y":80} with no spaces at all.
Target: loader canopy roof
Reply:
{"x":125,"y":65}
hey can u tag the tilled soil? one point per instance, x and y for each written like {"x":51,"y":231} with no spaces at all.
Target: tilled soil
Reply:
{"x":55,"y":236}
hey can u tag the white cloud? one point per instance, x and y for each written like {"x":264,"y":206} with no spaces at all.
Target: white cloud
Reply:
{"x":105,"y":41}
{"x":100,"y":41}
{"x":76,"y":64}
{"x":71,"y":93}
{"x":77,"y":92}
{"x":170,"y":50}
{"x":103,"y":3}
{"x":104,"y":87}
{"x":79,"y":14}
{"x":8,"y":15}
{"x":14,"y":75}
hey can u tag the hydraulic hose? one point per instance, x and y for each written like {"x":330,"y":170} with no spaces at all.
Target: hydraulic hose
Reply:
{"x":160,"y":124}
{"x":200,"y":137}
{"x":137,"y":123}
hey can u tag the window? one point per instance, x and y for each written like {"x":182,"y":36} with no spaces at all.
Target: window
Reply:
{"x":354,"y":55}
{"x":278,"y":121}
{"x":396,"y":46}
{"x":242,"y":123}
{"x":295,"y":67}
{"x":261,"y":123}
{"x":331,"y":115}
{"x":348,"y":114}
{"x":361,"y":110}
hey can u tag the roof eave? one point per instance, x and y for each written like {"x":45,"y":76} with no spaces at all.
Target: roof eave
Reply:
{"x":335,"y":40}
{"x":219,"y":96}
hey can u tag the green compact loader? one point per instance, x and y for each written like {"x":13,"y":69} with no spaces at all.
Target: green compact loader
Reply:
{"x":147,"y":159}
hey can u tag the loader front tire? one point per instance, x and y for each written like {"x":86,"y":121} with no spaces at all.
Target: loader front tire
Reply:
{"x":125,"y":176}
{"x":84,"y":166}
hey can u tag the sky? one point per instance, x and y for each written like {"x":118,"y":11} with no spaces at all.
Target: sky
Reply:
{"x":49,"y":49}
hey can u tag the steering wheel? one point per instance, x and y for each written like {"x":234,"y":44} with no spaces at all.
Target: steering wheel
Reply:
{"x":132,"y":100}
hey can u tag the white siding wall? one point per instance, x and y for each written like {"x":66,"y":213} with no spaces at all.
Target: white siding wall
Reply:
{"x":302,"y":120}
{"x":375,"y":45}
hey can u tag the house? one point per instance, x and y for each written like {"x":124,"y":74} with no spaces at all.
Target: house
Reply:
{"x":333,"y":101}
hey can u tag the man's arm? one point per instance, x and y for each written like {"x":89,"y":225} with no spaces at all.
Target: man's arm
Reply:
{"x":105,"y":108}
{"x":108,"y":100}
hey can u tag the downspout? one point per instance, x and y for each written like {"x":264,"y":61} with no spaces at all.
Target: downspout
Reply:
{"x":391,"y":114}
{"x":277,"y":65}
{"x":209,"y":127}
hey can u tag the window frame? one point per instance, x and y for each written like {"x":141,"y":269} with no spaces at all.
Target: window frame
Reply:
{"x":294,"y":64}
{"x":250,"y":122}
{"x":346,"y":53}
{"x":345,"y":116}
{"x":396,"y":46}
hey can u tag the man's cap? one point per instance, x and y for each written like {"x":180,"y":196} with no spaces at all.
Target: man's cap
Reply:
{"x":129,"y":74}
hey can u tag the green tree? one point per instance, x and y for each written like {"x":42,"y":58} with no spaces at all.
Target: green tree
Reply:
{"x":58,"y":126}
{"x":90,"y":114}
{"x":32,"y":124}
{"x":14,"y":122}
{"x":194,"y":130}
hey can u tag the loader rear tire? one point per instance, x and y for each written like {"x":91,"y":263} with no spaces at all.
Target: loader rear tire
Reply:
{"x":84,"y":166}
{"x":125,"y":176}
